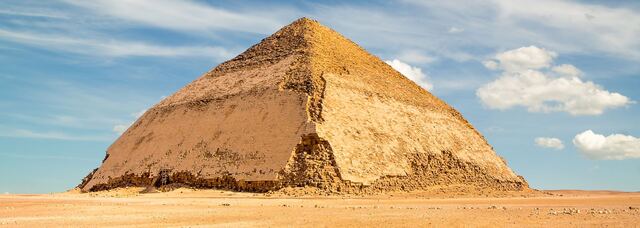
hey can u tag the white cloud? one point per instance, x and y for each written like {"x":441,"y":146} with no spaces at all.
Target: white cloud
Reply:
{"x":68,"y":120}
{"x":487,"y":25}
{"x":554,"y":143}
{"x":186,"y":15}
{"x":448,"y":85}
{"x":593,"y":26}
{"x":523,"y":83}
{"x":455,"y":30}
{"x":490,"y":64}
{"x":567,"y":70}
{"x":495,"y":129}
{"x":411,"y":72}
{"x":42,"y":156}
{"x":93,"y":107}
{"x":55,"y":135}
{"x":138,"y":114}
{"x":564,"y":26}
{"x":490,"y":25}
{"x":121,"y":128}
{"x":612,"y":147}
{"x":112,"y":48}
{"x":32,"y":13}
{"x":415,"y":57}
{"x":523,"y":58}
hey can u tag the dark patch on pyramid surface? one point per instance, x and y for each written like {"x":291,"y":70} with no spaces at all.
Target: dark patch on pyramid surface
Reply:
{"x":305,"y":107}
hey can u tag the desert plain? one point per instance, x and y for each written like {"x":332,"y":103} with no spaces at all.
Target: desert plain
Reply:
{"x":335,"y":137}
{"x":214,"y":208}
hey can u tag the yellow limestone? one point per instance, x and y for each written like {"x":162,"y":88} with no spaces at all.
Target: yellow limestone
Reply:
{"x":305,"y":107}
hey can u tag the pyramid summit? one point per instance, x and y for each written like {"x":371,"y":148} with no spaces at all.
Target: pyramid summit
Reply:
{"x":305,"y":107}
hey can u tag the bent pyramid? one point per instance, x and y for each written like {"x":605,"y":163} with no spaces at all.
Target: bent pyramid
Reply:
{"x":304,"y":107}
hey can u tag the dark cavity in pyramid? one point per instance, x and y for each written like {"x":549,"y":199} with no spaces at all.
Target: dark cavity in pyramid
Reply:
{"x":305,"y":107}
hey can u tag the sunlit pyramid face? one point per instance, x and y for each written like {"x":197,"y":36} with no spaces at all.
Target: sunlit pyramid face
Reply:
{"x":305,"y":107}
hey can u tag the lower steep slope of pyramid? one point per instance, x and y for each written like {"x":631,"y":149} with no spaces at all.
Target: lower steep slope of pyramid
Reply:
{"x":304,"y":107}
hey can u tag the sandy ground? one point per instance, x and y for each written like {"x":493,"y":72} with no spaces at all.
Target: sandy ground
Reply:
{"x":210,"y":208}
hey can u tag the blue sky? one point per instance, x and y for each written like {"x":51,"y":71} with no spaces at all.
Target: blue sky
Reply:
{"x":552,"y":85}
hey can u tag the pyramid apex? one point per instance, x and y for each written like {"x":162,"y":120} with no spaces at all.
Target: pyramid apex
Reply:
{"x":305,"y":106}
{"x":303,"y":22}
{"x":305,"y":19}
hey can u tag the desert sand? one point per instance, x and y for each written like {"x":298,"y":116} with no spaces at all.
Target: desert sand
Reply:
{"x":332,"y":134}
{"x":210,"y":208}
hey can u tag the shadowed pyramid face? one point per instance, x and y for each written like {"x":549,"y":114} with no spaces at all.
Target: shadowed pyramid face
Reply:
{"x":304,"y":107}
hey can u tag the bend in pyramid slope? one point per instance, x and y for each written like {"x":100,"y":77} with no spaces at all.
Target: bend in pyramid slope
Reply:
{"x":304,"y":107}
{"x":233,"y":123}
{"x":378,"y":125}
{"x":287,"y":47}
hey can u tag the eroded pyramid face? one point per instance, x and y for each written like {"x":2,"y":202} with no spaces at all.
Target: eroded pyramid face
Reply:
{"x":304,"y":107}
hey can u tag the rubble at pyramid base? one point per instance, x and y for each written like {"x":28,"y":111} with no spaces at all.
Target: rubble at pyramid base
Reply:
{"x":304,"y":108}
{"x":314,"y":167}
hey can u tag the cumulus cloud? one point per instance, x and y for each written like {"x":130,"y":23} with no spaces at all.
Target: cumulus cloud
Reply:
{"x":524,"y":82}
{"x":612,"y":147}
{"x":567,"y":70}
{"x":524,"y":58}
{"x":411,"y":72}
{"x":553,"y":143}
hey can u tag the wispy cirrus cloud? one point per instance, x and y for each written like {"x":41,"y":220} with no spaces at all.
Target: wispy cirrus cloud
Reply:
{"x":104,"y":28}
{"x":42,"y":157}
{"x":50,"y":108}
{"x":31,"y":13}
{"x":121,"y":128}
{"x":582,"y":26}
{"x":73,"y":119}
{"x":187,"y":15}
{"x":108,"y":47}
{"x":55,"y":135}
{"x":565,"y":26}
{"x":470,"y":32}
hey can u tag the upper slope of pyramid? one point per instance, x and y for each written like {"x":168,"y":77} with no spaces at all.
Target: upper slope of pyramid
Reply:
{"x":321,"y":50}
{"x":304,"y":107}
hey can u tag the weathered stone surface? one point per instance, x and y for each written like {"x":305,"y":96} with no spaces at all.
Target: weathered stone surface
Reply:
{"x":304,"y":107}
